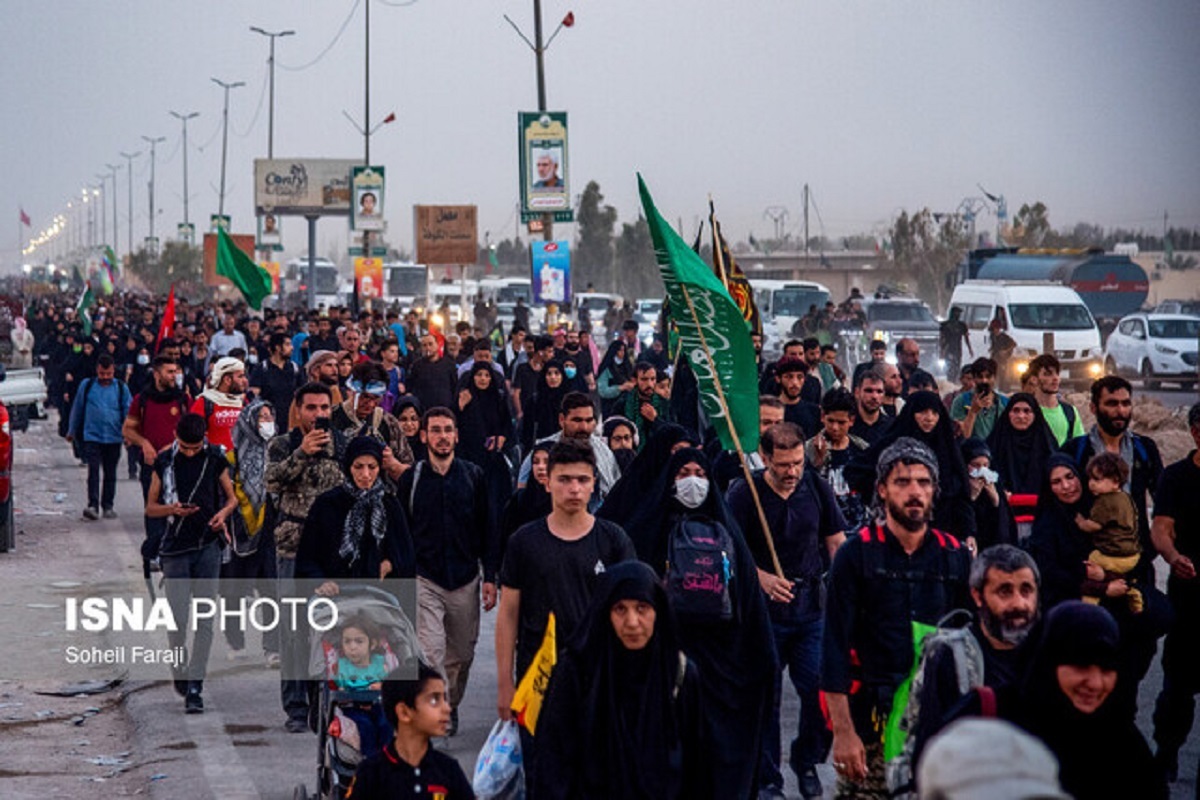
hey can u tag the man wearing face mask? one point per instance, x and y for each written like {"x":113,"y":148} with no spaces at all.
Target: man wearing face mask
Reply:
{"x":806,"y":527}
{"x":150,"y":427}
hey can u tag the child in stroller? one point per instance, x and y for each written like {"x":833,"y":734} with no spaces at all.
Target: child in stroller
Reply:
{"x":361,"y":667}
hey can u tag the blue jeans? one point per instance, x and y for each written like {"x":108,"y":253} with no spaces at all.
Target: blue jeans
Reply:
{"x":189,"y":575}
{"x":798,"y":627}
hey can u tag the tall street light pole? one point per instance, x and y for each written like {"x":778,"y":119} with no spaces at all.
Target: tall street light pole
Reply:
{"x":224,"y":140}
{"x":153,"y":140}
{"x":184,"y":119}
{"x":116,"y":236}
{"x":271,"y":90}
{"x":103,"y":192}
{"x":129,"y":157}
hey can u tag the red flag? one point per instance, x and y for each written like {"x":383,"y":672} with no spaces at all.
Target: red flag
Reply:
{"x":25,"y":220}
{"x":168,"y":320}
{"x":569,"y":19}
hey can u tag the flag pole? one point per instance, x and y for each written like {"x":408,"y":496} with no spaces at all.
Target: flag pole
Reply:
{"x":737,"y":442}
{"x":718,"y":258}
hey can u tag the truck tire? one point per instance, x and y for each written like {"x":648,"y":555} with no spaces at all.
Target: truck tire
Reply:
{"x":8,"y":528}
{"x":19,"y":418}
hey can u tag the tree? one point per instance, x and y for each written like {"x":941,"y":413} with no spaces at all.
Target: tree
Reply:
{"x":179,"y":264}
{"x":926,"y":251}
{"x":637,"y":268}
{"x":593,"y":259}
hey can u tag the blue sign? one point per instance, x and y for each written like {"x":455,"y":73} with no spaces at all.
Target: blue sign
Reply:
{"x":551,"y":264}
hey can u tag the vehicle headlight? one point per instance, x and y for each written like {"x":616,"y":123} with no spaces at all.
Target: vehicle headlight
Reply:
{"x":881,"y":336}
{"x":1095,"y":369}
{"x":1020,"y":366}
{"x":1168,"y":351}
{"x":436,"y":319}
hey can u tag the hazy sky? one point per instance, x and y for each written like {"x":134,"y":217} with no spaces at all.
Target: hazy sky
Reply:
{"x":1090,"y":106}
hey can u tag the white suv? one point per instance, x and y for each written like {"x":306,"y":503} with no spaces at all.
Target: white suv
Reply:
{"x":1154,"y":347}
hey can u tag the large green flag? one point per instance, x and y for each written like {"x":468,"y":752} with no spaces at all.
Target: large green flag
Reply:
{"x":712,"y":333}
{"x":86,"y":301}
{"x":252,"y":281}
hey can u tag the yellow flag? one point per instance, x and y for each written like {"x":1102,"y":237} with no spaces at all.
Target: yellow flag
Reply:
{"x":527,"y":702}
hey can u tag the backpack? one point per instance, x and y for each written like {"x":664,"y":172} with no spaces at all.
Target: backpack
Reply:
{"x":122,"y":394}
{"x":699,"y":570}
{"x":969,"y":669}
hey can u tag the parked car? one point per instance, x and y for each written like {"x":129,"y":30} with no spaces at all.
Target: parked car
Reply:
{"x":646,"y":311}
{"x":1155,"y":347}
{"x":23,"y":393}
{"x":1189,"y":308}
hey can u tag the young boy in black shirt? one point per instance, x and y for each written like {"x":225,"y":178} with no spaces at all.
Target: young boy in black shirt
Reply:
{"x":407,"y":766}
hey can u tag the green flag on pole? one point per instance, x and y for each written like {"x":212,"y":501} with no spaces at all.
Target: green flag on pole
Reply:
{"x":712,"y":333}
{"x":252,"y":281}
{"x":86,"y":301}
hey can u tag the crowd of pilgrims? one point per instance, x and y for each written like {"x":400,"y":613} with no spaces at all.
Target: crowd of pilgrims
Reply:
{"x":467,"y":429}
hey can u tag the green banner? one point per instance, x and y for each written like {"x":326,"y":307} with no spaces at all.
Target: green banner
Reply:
{"x":712,"y":333}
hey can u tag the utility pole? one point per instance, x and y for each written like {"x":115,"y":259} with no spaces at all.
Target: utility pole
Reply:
{"x":271,"y":90}
{"x":103,"y":192}
{"x":153,"y":145}
{"x":224,"y":140}
{"x":129,"y":157}
{"x":806,"y":220}
{"x":116,"y":236}
{"x":184,"y":119}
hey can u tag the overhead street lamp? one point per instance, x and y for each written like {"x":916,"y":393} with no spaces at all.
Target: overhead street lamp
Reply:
{"x":271,"y":90}
{"x":184,"y":119}
{"x":113,"y":169}
{"x":153,"y":211}
{"x":224,"y":140}
{"x":129,"y":157}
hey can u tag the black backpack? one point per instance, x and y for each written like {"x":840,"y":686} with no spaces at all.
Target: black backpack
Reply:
{"x":699,"y":570}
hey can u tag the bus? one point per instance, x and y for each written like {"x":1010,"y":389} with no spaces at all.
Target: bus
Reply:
{"x":293,"y":284}
{"x":405,"y":285}
{"x":782,"y":304}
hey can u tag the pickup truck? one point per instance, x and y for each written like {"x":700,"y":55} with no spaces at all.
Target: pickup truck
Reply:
{"x":23,"y":393}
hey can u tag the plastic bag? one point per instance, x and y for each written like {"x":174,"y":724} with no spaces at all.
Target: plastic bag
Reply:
{"x":499,"y":774}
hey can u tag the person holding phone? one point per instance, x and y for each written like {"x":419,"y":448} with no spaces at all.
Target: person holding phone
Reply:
{"x":978,"y":410}
{"x":191,"y":487}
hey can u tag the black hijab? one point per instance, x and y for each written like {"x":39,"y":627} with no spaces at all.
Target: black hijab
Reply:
{"x":620,"y":372}
{"x":547,"y":403}
{"x":615,"y":703}
{"x":1020,"y":456}
{"x":1079,"y":634}
{"x":414,"y":442}
{"x":1056,"y":543}
{"x":628,"y":493}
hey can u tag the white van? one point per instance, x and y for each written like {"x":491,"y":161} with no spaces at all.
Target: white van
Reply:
{"x":1034,"y":309}
{"x":781,"y":304}
{"x":458,"y":295}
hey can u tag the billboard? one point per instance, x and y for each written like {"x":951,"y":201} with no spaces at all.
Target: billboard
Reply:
{"x":302,"y":185}
{"x":368,"y":278}
{"x":551,"y":265}
{"x":270,"y":234}
{"x":545,"y":185}
{"x":446,"y":234}
{"x":366,"y":212}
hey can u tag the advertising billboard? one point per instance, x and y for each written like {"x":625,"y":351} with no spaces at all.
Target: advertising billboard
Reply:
{"x":446,"y":234}
{"x":302,"y":186}
{"x":551,"y":265}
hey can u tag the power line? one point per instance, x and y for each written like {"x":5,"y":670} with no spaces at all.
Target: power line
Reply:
{"x":262,"y":95}
{"x":329,"y":46}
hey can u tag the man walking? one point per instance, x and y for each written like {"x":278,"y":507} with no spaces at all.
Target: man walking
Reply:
{"x":275,"y":380}
{"x":433,"y":377}
{"x":302,"y":463}
{"x":1062,"y":417}
{"x":222,"y":400}
{"x":97,"y":416}
{"x":883,"y":579}
{"x":228,"y":338}
{"x":870,"y":423}
{"x":455,"y":533}
{"x":641,"y":405}
{"x":807,"y":528}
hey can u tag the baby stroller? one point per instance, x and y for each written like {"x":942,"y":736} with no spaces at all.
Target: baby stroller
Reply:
{"x":337,"y":758}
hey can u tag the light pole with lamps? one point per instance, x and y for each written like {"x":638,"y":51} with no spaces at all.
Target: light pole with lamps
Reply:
{"x":184,"y":119}
{"x":113,"y":169}
{"x":129,"y":157}
{"x":153,"y":140}
{"x":271,"y":90}
{"x":103,"y":193}
{"x":224,"y":140}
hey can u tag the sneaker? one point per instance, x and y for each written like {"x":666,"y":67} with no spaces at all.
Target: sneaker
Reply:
{"x":181,"y":686}
{"x":91,"y":513}
{"x":453,"y":729}
{"x":296,"y":725}
{"x":237,"y":655}
{"x":810,"y":784}
{"x":272,"y":660}
{"x":193,"y":703}
{"x":109,"y":514}
{"x":1169,"y":764}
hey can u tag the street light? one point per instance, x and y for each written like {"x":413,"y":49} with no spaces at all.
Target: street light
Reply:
{"x":103,"y":207}
{"x":224,"y":142}
{"x":184,"y":119}
{"x":129,"y":157}
{"x":271,"y":90}
{"x":153,"y":144}
{"x":113,"y":169}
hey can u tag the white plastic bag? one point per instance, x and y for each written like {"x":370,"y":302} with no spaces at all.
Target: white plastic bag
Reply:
{"x":499,"y":774}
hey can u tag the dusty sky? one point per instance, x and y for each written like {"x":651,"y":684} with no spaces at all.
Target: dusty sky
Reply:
{"x":1090,"y":106}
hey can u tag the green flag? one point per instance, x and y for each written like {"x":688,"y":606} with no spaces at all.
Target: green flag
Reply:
{"x":712,"y":333}
{"x":252,"y":281}
{"x":86,"y":301}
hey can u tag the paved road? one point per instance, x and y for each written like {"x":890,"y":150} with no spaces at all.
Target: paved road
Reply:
{"x":238,"y":748}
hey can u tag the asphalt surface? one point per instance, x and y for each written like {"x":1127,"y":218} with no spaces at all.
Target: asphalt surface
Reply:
{"x":238,"y":748}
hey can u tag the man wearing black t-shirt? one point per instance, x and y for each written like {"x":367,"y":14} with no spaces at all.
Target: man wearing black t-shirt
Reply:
{"x":552,"y":565}
{"x":1176,"y":534}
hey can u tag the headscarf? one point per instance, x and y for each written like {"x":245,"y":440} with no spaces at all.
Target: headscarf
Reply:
{"x":251,"y":450}
{"x":224,"y":366}
{"x":620,"y":372}
{"x":1080,"y":634}
{"x":414,"y":442}
{"x":627,"y":494}
{"x":367,"y":513}
{"x":485,"y":416}
{"x":547,"y":402}
{"x":624,"y":698}
{"x":1056,"y":543}
{"x":1020,"y":456}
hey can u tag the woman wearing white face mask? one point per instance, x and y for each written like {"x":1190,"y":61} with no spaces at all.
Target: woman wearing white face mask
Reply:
{"x":252,"y":555}
{"x":683,"y":525}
